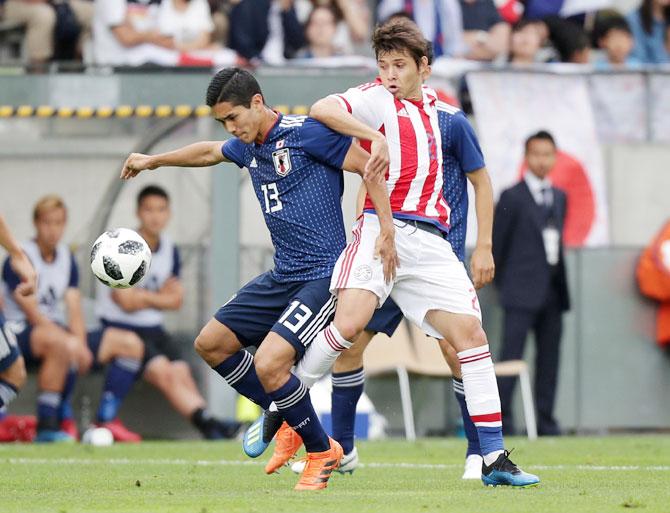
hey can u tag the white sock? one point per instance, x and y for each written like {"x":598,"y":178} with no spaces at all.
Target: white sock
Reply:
{"x":321,"y":355}
{"x":483,"y":400}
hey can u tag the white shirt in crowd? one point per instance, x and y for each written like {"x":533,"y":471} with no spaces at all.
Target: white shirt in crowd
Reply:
{"x":185,"y":26}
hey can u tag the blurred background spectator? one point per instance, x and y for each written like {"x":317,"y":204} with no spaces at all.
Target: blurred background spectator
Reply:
{"x":320,"y":32}
{"x":188,"y":22}
{"x":649,"y":24}
{"x":50,"y":26}
{"x":613,"y":36}
{"x":352,"y":19}
{"x":525,"y":43}
{"x":441,"y":21}
{"x":485,"y":33}
{"x":266,"y":30}
{"x":569,"y":39}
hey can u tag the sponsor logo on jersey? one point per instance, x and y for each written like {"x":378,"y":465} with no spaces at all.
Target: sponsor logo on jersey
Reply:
{"x":282,"y":161}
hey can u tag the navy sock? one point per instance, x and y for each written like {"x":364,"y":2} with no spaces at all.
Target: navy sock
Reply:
{"x":347,"y":390}
{"x":121,"y":375}
{"x":240,"y":373}
{"x":295,"y":405}
{"x":7,"y":394}
{"x":48,"y":405}
{"x":65,"y":409}
{"x":468,"y":426}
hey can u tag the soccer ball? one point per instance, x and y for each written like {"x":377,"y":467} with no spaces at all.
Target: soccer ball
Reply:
{"x":120,"y":258}
{"x":98,"y":436}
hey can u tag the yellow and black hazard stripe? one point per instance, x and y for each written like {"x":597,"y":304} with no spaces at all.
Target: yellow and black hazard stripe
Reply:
{"x":123,"y":111}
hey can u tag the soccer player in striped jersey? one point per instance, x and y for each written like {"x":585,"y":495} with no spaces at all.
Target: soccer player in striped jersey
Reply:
{"x":12,"y":366}
{"x":432,"y":287}
{"x":462,"y":160}
{"x":295,"y":164}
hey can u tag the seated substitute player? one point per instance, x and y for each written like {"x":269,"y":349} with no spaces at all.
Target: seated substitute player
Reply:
{"x":139,"y":310}
{"x":432,"y":287}
{"x":295,"y":164}
{"x":45,"y":334}
{"x":12,"y":366}
{"x":462,"y":160}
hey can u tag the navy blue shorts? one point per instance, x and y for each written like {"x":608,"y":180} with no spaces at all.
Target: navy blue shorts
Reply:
{"x":23,"y":340}
{"x":296,"y":311}
{"x":385,"y":319}
{"x":9,"y":349}
{"x":157,"y":341}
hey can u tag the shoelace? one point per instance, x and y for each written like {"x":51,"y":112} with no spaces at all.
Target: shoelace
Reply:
{"x":507,"y":465}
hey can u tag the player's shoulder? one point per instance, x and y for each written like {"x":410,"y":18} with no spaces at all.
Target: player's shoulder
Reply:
{"x":292,"y":121}
{"x":448,"y":109}
{"x":372,"y":89}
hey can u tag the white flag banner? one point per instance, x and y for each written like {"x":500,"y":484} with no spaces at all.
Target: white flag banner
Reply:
{"x":510,"y":106}
{"x":571,"y":7}
{"x":620,"y":106}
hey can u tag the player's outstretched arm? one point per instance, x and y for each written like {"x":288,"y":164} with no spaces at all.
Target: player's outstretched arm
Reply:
{"x":18,"y":260}
{"x":385,"y":247}
{"x":482,"y":265}
{"x":329,"y":112}
{"x":200,"y":154}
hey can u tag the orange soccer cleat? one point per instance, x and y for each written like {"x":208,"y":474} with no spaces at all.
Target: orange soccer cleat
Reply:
{"x":320,"y":466}
{"x":287,"y":443}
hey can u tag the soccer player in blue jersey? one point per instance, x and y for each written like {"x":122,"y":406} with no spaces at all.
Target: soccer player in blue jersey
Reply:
{"x":295,"y":166}
{"x":12,"y":366}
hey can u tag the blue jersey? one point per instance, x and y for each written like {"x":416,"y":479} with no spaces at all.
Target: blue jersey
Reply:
{"x":297,"y":176}
{"x":461,"y":154}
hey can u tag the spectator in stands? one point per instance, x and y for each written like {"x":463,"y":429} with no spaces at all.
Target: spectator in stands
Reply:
{"x":441,"y":22}
{"x":320,"y":33}
{"x":530,"y":276}
{"x":569,"y":40}
{"x":187,"y":22}
{"x":485,"y":33}
{"x":649,"y":24}
{"x":265,"y":30}
{"x":125,"y":32}
{"x":45,"y":334}
{"x":39,"y":17}
{"x":140,"y":310}
{"x":615,"y":38}
{"x":352,"y":18}
{"x":220,"y":10}
{"x":653,"y":278}
{"x":525,"y":44}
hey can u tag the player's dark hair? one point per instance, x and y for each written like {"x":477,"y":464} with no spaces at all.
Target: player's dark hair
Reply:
{"x":399,"y":35}
{"x":430,"y":53}
{"x":541,"y":135}
{"x":234,"y":85}
{"x":152,"y":190}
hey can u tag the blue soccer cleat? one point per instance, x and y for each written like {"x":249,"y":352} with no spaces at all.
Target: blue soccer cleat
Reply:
{"x":258,"y":436}
{"x":503,"y":472}
{"x":53,"y":436}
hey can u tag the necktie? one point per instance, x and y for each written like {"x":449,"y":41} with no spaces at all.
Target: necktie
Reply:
{"x":546,"y":203}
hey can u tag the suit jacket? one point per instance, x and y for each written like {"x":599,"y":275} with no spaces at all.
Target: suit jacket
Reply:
{"x":523,"y":276}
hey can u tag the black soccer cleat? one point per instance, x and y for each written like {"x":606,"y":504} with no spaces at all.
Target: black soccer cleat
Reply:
{"x":504,"y":472}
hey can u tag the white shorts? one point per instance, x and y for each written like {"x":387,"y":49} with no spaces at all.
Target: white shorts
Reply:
{"x":430,"y":276}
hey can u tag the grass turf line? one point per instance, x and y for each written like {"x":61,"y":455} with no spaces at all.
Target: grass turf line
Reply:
{"x":578,"y":475}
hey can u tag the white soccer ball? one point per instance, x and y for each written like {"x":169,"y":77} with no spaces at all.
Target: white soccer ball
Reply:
{"x":98,"y":436}
{"x":120,"y":258}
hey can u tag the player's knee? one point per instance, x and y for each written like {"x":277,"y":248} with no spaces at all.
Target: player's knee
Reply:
{"x":16,"y":374}
{"x":349,"y":328}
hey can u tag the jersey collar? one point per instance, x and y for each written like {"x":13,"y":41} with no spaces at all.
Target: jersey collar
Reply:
{"x":267,"y":134}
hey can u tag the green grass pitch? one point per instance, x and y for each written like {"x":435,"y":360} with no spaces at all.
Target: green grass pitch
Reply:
{"x":612,"y":474}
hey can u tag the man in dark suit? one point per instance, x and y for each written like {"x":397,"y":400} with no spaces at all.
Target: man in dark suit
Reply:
{"x":530,"y":276}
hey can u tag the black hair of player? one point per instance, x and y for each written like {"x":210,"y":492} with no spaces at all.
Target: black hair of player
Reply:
{"x":430,"y":53}
{"x":541,"y":135}
{"x":233,"y":85}
{"x":152,"y":190}
{"x":399,"y":35}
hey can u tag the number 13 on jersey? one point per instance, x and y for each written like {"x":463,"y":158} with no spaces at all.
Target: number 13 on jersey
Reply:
{"x":272,"y":201}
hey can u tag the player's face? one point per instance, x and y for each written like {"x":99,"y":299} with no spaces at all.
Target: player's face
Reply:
{"x":541,"y":157}
{"x":154,"y":214}
{"x":242,"y":122}
{"x":400,"y":74}
{"x":50,"y":226}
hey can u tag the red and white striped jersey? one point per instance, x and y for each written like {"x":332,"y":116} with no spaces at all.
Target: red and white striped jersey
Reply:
{"x":414,"y":178}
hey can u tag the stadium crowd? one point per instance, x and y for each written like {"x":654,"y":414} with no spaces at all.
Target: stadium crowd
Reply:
{"x":518,"y":33}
